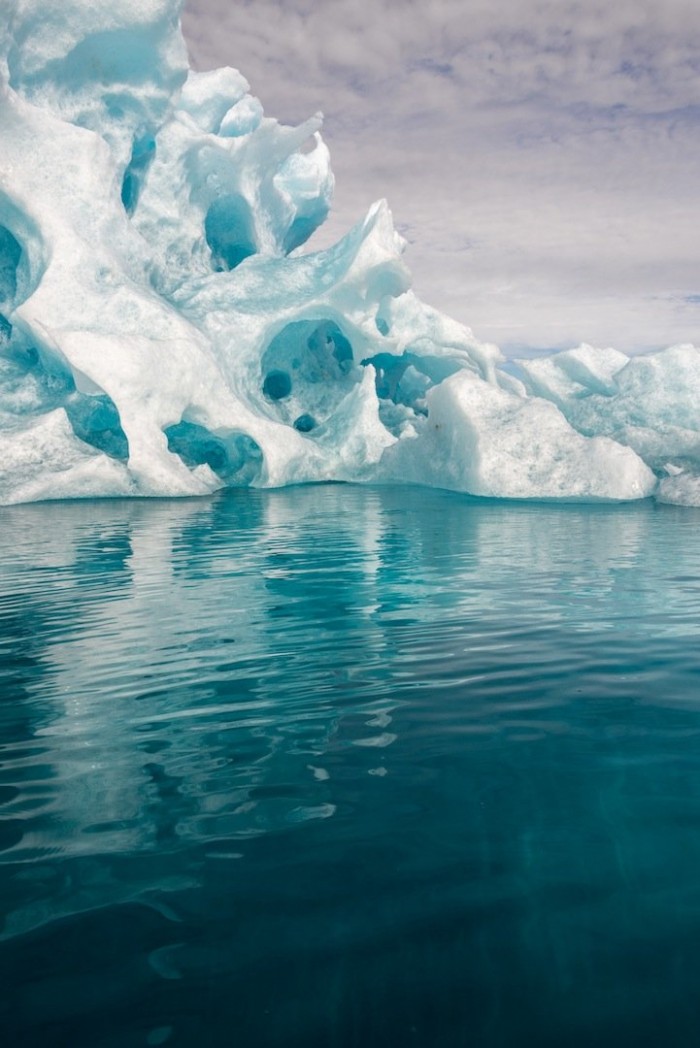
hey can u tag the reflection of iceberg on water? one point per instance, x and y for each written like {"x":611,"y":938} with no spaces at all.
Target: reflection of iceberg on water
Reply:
{"x":205,"y":732}
{"x":207,"y":670}
{"x":162,"y":333}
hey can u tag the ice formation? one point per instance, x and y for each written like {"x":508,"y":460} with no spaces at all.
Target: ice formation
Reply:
{"x":162,"y":331}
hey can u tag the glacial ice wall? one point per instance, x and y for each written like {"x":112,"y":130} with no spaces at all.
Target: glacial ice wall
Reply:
{"x":163,"y":330}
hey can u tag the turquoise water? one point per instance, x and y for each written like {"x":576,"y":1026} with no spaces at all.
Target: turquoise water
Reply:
{"x":349,"y":767}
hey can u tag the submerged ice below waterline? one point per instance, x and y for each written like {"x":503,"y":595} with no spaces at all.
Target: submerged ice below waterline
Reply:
{"x":349,"y":766}
{"x":163,"y":333}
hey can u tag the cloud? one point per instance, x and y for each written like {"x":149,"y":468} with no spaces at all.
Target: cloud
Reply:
{"x":545,"y":154}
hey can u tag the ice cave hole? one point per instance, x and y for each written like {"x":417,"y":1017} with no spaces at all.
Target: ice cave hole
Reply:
{"x":49,"y":384}
{"x":10,"y":253}
{"x":229,"y":231}
{"x":305,"y":423}
{"x":95,"y":420}
{"x":406,"y":379}
{"x":235,"y":457}
{"x":142,"y":153}
{"x":317,"y":350}
{"x":307,"y":369}
{"x":277,"y":385}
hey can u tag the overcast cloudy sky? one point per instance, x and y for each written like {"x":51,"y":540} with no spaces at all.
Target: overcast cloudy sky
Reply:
{"x":542,"y":157}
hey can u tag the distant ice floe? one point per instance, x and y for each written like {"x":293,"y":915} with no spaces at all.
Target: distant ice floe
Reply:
{"x":162,"y":332}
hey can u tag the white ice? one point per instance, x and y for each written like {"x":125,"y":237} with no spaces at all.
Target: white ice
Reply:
{"x":163,"y":330}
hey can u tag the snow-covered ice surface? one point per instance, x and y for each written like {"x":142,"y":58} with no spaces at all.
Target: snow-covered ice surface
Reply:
{"x":162,"y":331}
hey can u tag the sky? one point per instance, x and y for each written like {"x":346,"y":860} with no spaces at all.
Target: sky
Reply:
{"x":541,"y":157}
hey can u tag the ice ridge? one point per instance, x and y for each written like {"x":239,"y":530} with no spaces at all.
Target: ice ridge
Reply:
{"x":163,"y":332}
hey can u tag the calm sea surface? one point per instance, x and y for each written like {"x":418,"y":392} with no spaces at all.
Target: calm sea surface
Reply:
{"x":344,"y":767}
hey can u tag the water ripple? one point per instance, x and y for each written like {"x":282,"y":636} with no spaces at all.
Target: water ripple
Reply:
{"x":307,"y":733}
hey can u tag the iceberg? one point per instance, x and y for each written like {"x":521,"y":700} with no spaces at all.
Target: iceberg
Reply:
{"x":165,"y":330}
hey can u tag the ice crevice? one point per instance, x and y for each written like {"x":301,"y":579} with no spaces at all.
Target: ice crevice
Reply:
{"x":166,"y":329}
